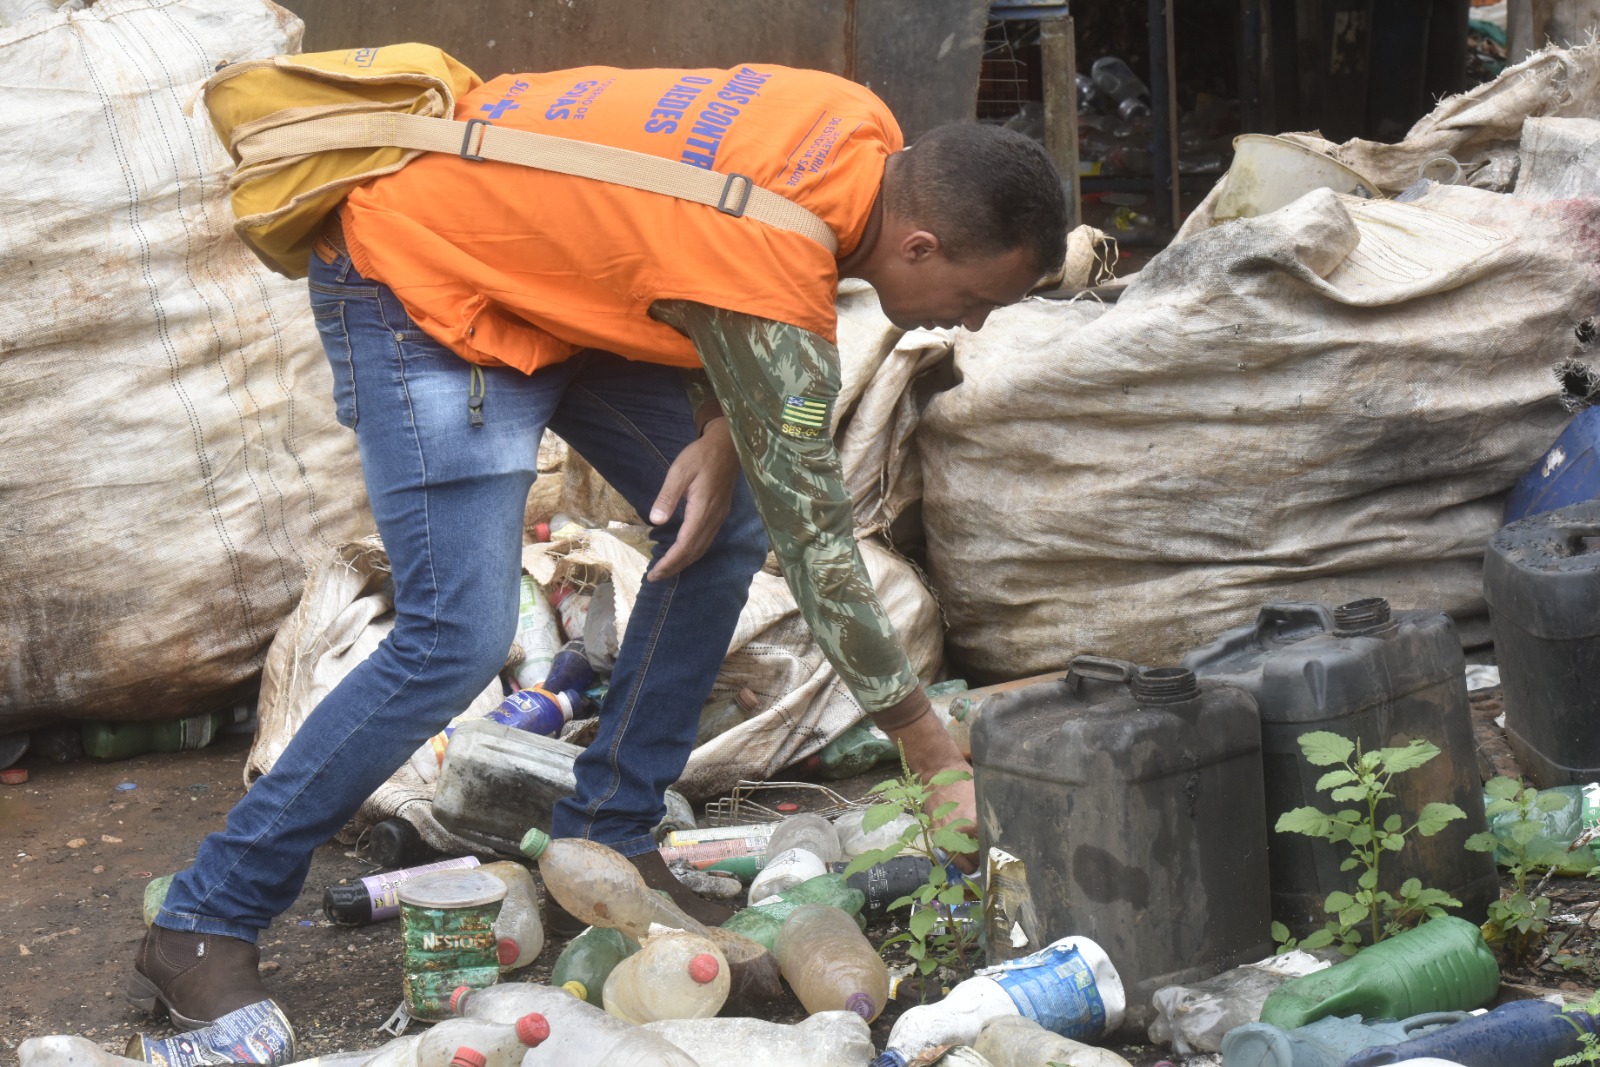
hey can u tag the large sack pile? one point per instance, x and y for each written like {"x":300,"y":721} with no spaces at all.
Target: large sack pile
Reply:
{"x":1321,"y":403}
{"x":170,"y":469}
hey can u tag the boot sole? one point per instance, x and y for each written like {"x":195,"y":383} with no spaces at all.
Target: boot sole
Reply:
{"x":144,"y":994}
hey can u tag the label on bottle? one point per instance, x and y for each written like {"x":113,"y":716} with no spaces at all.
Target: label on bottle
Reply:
{"x":684,"y":838}
{"x":384,"y":889}
{"x":1054,"y":987}
{"x":255,"y":1033}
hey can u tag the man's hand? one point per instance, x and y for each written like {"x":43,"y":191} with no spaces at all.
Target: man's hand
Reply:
{"x":702,"y":477}
{"x":929,"y":749}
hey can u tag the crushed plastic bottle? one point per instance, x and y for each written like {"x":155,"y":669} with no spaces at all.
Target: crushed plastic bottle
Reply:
{"x":830,"y":964}
{"x":672,"y":976}
{"x":762,"y":921}
{"x":1016,"y":1041}
{"x":538,"y":634}
{"x":1195,"y":1018}
{"x":826,"y":1039}
{"x":581,"y":1035}
{"x":1069,"y":987}
{"x":518,"y":931}
{"x":588,"y":960}
{"x":853,"y":840}
{"x":1129,"y":96}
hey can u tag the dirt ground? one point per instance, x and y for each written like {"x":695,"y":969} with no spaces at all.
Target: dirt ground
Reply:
{"x":82,"y":839}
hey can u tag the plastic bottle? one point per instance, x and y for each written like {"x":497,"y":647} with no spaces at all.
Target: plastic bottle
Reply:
{"x":1129,"y":96}
{"x":672,"y":976}
{"x":498,"y":1044}
{"x":856,"y":751}
{"x":853,"y":841}
{"x":599,"y":887}
{"x":124,"y":740}
{"x":800,"y":848}
{"x":376,"y":897}
{"x":887,"y":882}
{"x":1558,"y":828}
{"x":518,"y":931}
{"x":1525,"y":1033}
{"x":581,"y":1035}
{"x":830,"y":964}
{"x":537,"y":710}
{"x":538,"y":634}
{"x":1196,"y":1017}
{"x":588,"y":960}
{"x":1327,"y":1042}
{"x":1069,"y":987}
{"x":1015,"y":1041}
{"x":826,"y":1039}
{"x":1442,"y":965}
{"x":761,"y":922}
{"x":63,"y":1050}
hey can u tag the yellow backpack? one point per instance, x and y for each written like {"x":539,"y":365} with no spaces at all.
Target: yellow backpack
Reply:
{"x":306,"y":129}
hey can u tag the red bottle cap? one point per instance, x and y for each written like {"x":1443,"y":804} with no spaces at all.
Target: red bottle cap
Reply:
{"x":468,"y":1057}
{"x":541,"y":532}
{"x":532,"y":1028}
{"x":14,"y":776}
{"x":455,"y":997}
{"x":789,"y":805}
{"x":704,"y":968}
{"x":507,"y":950}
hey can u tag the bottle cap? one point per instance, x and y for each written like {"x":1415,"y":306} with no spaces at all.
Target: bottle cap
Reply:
{"x":577,"y":989}
{"x":507,"y":949}
{"x":532,"y":1028}
{"x":862,"y":1005}
{"x":704,"y":968}
{"x":468,"y":1057}
{"x":534,"y":842}
{"x":747,"y":699}
{"x":458,"y":996}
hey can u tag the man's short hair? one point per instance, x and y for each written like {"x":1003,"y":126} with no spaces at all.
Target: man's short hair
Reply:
{"x":983,"y":191}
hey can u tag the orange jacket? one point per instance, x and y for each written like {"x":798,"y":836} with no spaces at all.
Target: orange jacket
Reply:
{"x":506,"y":264}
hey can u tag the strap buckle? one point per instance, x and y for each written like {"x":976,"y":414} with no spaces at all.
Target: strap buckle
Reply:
{"x":466,"y":140}
{"x":723,"y":201}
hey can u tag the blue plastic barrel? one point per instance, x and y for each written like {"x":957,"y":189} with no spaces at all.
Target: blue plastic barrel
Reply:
{"x":1525,"y":1033}
{"x":1566,"y":474}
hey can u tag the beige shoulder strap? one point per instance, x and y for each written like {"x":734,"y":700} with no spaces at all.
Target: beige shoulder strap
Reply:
{"x":732,"y":194}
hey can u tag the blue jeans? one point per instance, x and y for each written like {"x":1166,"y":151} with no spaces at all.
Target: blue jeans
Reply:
{"x":448,"y":497}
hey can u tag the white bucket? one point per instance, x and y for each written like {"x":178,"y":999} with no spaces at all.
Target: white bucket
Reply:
{"x":1272,"y":172}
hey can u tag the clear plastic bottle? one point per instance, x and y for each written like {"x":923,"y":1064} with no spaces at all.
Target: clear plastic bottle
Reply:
{"x":500,"y":1044}
{"x":588,"y":960}
{"x":830,"y":964}
{"x":1117,"y":81}
{"x":761,"y":922}
{"x":784,"y":870}
{"x":1196,"y":1017}
{"x":518,"y":932}
{"x":827,"y":1039}
{"x":1068,"y":987}
{"x":598,"y":886}
{"x":581,"y":1035}
{"x":853,"y":841}
{"x":62,"y":1050}
{"x":1015,"y":1041}
{"x":672,"y":976}
{"x":810,"y":832}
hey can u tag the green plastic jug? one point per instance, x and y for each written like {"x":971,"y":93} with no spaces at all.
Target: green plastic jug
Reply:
{"x":1442,"y":965}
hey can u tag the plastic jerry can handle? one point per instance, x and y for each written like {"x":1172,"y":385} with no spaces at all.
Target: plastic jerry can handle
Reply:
{"x":1434,"y":1018}
{"x":1291,"y":619}
{"x":1100,"y":668}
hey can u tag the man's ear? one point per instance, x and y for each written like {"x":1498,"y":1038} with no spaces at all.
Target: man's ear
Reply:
{"x":918,"y":245}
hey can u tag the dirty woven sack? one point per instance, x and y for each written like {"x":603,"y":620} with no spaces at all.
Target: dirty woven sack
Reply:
{"x":169,"y":460}
{"x":1318,"y":404}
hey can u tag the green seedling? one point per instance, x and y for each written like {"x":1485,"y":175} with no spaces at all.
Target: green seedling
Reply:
{"x":1521,"y":918}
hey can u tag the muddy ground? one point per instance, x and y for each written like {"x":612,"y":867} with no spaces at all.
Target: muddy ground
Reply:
{"x":81,"y":839}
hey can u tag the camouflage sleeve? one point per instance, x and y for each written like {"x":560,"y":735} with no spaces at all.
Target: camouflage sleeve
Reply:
{"x":777,"y":385}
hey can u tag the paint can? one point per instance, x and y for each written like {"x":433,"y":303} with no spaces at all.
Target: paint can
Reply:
{"x":447,"y":920}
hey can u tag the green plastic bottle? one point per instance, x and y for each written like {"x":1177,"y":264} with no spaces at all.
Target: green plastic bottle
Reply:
{"x":1442,"y":965}
{"x":761,"y":922}
{"x":124,"y":740}
{"x":588,"y":959}
{"x":856,"y":751}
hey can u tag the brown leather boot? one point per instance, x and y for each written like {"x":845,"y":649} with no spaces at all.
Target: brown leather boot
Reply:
{"x":198,"y":978}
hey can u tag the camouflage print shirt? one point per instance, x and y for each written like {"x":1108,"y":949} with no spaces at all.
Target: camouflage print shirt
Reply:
{"x":777,"y":385}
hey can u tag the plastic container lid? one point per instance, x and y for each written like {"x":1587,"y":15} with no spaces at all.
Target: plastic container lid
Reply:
{"x":455,"y":997}
{"x":532,"y":1028}
{"x":452,"y":889}
{"x":704,"y":968}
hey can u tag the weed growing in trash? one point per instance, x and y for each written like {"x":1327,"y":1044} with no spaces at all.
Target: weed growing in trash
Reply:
{"x":933,"y":936}
{"x":1364,"y":777}
{"x":1590,"y":1053}
{"x":1518,"y":920}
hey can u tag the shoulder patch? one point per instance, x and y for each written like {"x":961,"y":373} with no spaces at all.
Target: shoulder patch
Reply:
{"x":804,"y":417}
